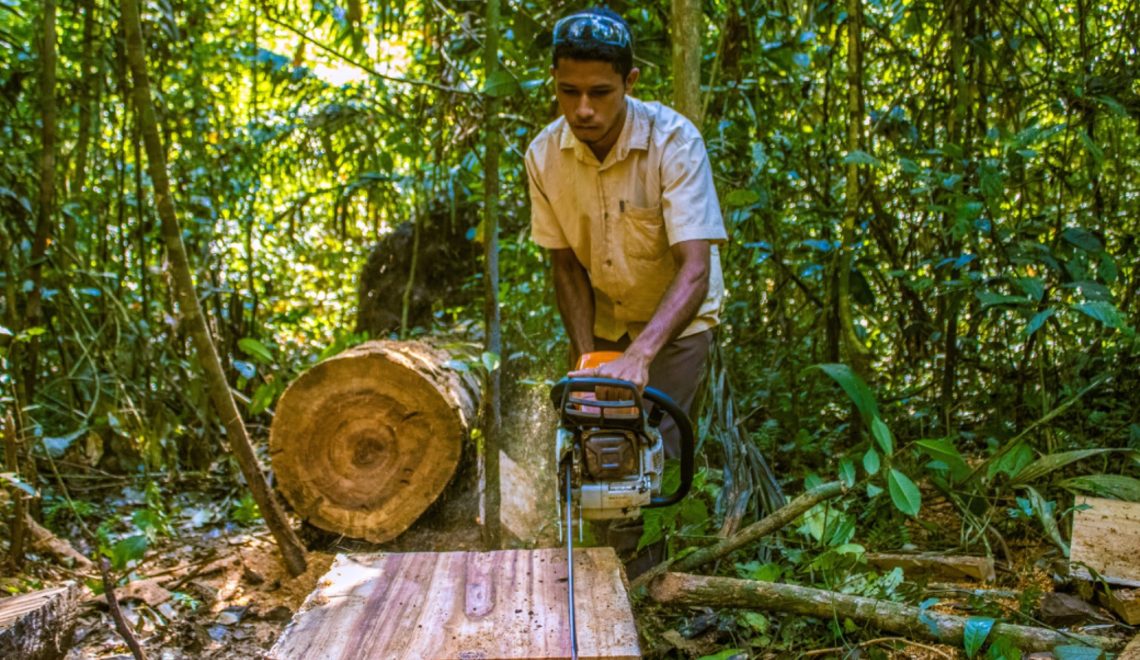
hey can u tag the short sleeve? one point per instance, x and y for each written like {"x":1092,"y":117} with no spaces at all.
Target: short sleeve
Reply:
{"x":688,"y":197}
{"x":544,"y":228}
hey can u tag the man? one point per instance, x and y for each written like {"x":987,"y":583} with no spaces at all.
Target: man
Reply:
{"x":622,"y":195}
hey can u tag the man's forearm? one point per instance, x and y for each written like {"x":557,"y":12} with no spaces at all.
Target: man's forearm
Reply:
{"x":575,"y":296}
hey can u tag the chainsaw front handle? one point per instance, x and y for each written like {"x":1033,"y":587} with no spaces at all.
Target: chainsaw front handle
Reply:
{"x":562,"y":396}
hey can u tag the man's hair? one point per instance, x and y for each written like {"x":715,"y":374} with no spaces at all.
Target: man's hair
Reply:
{"x":621,"y":58}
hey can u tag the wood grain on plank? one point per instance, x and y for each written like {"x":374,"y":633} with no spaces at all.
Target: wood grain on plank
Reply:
{"x":1106,"y":535}
{"x":506,"y":604}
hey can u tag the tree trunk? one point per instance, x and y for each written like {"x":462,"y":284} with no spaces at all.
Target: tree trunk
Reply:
{"x":39,"y":624}
{"x":700,"y":590}
{"x":492,"y":413}
{"x":364,"y":442}
{"x":686,"y":33}
{"x":855,"y":351}
{"x":291,"y":549}
{"x":46,"y":198}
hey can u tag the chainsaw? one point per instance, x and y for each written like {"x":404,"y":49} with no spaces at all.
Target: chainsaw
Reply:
{"x":610,"y":454}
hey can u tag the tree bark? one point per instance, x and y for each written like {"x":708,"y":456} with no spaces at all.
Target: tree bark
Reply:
{"x":90,"y":85}
{"x":17,"y":528}
{"x":46,"y":197}
{"x":855,"y":350}
{"x":686,"y":28}
{"x":492,"y":412}
{"x":364,"y":442}
{"x":748,"y":535}
{"x":700,"y":590}
{"x":236,"y":433}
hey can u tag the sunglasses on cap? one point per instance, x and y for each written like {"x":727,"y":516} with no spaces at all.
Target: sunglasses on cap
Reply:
{"x":587,"y":28}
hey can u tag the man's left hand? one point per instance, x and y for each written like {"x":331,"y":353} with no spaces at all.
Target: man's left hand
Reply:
{"x":628,"y":367}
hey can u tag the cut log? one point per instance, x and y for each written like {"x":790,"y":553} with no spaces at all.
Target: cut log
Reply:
{"x":1106,"y":535}
{"x":505,"y":604}
{"x":1132,"y":651}
{"x":687,"y":589}
{"x":1124,"y":602}
{"x":365,"y":441}
{"x":949,"y":567}
{"x":38,"y":625}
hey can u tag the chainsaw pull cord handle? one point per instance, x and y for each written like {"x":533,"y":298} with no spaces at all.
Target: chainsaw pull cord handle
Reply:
{"x":561,"y":397}
{"x":663,"y":402}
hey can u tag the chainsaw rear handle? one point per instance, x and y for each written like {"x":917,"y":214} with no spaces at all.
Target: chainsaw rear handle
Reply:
{"x":561,"y":395}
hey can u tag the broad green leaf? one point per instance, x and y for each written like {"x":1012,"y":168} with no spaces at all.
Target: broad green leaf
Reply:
{"x":127,"y":550}
{"x":1011,"y":461}
{"x":1116,"y":486}
{"x":1073,"y":652}
{"x":756,"y":621}
{"x":858,"y":157}
{"x":1051,"y":462}
{"x":1102,"y":311}
{"x":941,"y":449}
{"x":15,"y":480}
{"x":1082,"y":238}
{"x":871,"y":461}
{"x":724,"y":655}
{"x":1038,"y":320}
{"x":975,"y":634}
{"x":882,"y":435}
{"x":873,"y":491}
{"x":491,"y":361}
{"x":904,"y":493}
{"x":1033,"y":287}
{"x":855,"y":388}
{"x":991,"y":299}
{"x":255,"y":349}
{"x":741,"y":197}
{"x":500,"y":84}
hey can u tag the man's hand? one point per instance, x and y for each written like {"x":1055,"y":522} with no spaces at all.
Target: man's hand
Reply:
{"x":629,"y":367}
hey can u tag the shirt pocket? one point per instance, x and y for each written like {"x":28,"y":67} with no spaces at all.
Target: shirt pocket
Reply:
{"x":643,"y":233}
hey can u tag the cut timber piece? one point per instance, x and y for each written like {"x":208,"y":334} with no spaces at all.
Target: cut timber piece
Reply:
{"x":38,"y":625}
{"x":1106,"y":536}
{"x":1132,"y":651}
{"x":949,"y":567}
{"x":505,"y":604}
{"x":365,"y":441}
{"x":1124,"y":602}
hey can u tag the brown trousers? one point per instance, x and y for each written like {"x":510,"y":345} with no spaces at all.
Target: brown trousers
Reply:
{"x":676,"y":371}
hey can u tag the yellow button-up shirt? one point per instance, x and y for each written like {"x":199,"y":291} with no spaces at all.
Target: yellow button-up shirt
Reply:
{"x":621,"y":216}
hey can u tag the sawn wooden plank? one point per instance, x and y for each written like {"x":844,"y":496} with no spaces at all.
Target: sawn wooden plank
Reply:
{"x":1106,"y":536}
{"x":506,"y":604}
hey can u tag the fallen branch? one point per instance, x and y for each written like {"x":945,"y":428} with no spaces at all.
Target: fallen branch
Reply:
{"x":47,"y":542}
{"x":750,"y":534}
{"x":878,"y":640}
{"x":117,"y":613}
{"x":700,"y":590}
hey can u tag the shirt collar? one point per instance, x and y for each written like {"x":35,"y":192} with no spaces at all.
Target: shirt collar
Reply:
{"x":634,"y":135}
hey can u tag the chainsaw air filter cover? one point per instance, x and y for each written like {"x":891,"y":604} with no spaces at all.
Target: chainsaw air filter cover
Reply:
{"x":611,"y":454}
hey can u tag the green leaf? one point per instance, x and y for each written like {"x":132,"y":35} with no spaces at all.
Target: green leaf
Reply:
{"x":1102,"y":311}
{"x":858,"y":157}
{"x":255,"y":349}
{"x":15,"y":480}
{"x":1051,"y":462}
{"x":882,"y":435}
{"x":1048,"y":522}
{"x":491,"y":361}
{"x":1038,"y":320}
{"x":974,"y":636}
{"x":127,"y":550}
{"x":871,"y":461}
{"x":1093,"y":148}
{"x":873,"y":491}
{"x":1033,"y":287}
{"x":855,"y":388}
{"x":262,"y":398}
{"x":1073,"y":652}
{"x":904,"y":493}
{"x":1082,"y":238}
{"x":991,"y":299}
{"x":1116,"y":486}
{"x":847,"y":472}
{"x":741,"y":197}
{"x":726,"y":654}
{"x":756,"y":621}
{"x":941,"y":449}
{"x":500,"y":84}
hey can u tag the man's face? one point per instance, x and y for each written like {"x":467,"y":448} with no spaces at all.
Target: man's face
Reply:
{"x":591,"y":95}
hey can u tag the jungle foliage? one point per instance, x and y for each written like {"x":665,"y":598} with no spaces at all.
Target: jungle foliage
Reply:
{"x":932,"y":271}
